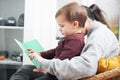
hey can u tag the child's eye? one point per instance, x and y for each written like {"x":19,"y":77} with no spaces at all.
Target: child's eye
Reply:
{"x":61,"y":25}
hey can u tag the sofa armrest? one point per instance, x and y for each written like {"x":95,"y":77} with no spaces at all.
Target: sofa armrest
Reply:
{"x":107,"y":75}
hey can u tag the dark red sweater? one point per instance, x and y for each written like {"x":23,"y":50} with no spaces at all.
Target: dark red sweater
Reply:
{"x":68,"y":47}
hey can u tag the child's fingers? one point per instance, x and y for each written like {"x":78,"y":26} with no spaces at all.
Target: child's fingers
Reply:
{"x":31,"y":56}
{"x":30,"y":50}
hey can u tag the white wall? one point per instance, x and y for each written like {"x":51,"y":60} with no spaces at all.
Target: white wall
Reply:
{"x":40,"y":23}
{"x":111,"y":8}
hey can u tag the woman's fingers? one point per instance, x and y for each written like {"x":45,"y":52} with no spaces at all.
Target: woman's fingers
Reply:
{"x":36,"y":70}
{"x":40,"y":70}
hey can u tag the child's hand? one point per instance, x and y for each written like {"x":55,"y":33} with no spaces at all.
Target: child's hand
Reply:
{"x":37,"y":55}
{"x":32,"y":53}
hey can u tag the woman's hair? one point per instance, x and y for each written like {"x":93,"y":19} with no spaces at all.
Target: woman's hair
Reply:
{"x":95,"y":13}
{"x":73,"y":12}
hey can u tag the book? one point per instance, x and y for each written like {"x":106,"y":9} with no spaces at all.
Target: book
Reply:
{"x":33,"y":44}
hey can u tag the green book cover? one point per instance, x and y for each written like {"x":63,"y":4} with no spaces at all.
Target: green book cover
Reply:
{"x":33,"y":44}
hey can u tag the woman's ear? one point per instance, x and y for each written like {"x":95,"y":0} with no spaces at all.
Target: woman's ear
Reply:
{"x":76,"y":24}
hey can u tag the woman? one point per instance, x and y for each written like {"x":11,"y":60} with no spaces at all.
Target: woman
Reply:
{"x":101,"y":42}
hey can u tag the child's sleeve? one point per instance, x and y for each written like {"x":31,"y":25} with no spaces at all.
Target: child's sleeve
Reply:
{"x":49,"y":54}
{"x":108,"y":64}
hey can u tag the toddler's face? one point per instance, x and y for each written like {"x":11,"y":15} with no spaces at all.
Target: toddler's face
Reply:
{"x":66,"y":27}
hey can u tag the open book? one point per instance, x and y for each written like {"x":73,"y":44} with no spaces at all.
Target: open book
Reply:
{"x":33,"y":44}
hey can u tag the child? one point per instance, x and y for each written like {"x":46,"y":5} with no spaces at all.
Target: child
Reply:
{"x":71,"y":19}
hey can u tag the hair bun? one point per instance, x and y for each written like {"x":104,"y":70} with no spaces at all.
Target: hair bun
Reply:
{"x":94,"y":9}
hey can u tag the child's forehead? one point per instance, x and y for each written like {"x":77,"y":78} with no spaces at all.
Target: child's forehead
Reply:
{"x":62,"y":17}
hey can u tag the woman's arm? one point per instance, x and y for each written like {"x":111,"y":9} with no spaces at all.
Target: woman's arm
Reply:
{"x":76,"y":68}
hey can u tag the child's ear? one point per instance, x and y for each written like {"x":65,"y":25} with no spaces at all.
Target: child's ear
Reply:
{"x":76,"y":24}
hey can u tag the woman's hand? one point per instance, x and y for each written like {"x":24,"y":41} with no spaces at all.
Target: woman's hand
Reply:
{"x":39,"y":70}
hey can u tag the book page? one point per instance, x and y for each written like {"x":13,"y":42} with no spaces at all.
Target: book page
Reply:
{"x":33,"y":44}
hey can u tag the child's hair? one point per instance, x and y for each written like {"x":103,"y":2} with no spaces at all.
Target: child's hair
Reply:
{"x":95,"y":13}
{"x":73,"y":12}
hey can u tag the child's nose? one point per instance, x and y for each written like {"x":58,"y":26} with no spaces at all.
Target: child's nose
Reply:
{"x":60,"y":29}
